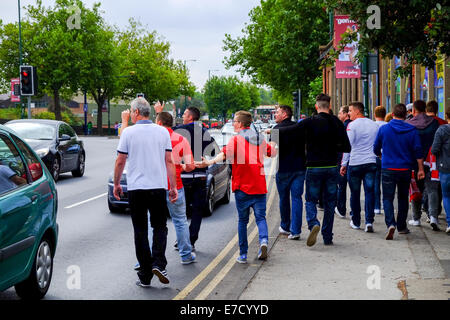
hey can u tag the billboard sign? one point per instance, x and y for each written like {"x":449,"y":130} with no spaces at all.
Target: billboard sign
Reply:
{"x":346,"y":64}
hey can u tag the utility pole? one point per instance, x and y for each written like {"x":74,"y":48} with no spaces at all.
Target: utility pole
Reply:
{"x":20,"y":53}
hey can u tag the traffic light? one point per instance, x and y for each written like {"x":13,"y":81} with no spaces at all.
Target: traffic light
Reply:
{"x":28,"y":81}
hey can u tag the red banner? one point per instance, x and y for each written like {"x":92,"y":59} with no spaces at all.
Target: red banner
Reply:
{"x":15,"y":81}
{"x":346,"y":64}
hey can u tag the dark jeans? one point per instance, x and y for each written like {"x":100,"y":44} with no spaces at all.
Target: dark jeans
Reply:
{"x":291,"y":184}
{"x":342,"y":193}
{"x":391,"y":180}
{"x":327,"y":178}
{"x":364,"y":173}
{"x":378,"y":185}
{"x":197,"y":197}
{"x":142,"y":201}
{"x":417,"y":205}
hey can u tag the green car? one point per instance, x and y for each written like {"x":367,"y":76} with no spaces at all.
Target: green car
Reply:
{"x":28,"y":228}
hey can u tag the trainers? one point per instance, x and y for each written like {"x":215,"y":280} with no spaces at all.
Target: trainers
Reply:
{"x":415,"y":223}
{"x":282,"y":231}
{"x":294,"y":236}
{"x":428,"y":220}
{"x":405,"y":231}
{"x":390,"y":233}
{"x":434,"y":224}
{"x":262,"y":254}
{"x":161,"y":274}
{"x":377,"y":211}
{"x":242,"y":258}
{"x":137,"y":266}
{"x":188,"y":260}
{"x":329,"y":243}
{"x":336,"y":210}
{"x":312,"y":238}
{"x":144,"y":280}
{"x":447,"y":230}
{"x":369,"y":228}
{"x":353,"y":225}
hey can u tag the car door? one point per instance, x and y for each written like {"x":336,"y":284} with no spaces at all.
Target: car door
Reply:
{"x":19,"y":216}
{"x":74,"y":148}
{"x":65,"y":148}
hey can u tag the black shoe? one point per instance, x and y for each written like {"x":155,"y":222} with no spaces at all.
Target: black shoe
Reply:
{"x":144,"y":279}
{"x":330,"y":243}
{"x":161,"y":274}
{"x":404,"y":231}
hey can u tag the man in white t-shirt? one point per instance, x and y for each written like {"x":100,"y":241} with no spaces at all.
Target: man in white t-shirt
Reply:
{"x":361,"y":163}
{"x":147,"y":150}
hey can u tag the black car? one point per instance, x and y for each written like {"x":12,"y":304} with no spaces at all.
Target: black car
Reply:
{"x":55,"y":142}
{"x":217,"y":179}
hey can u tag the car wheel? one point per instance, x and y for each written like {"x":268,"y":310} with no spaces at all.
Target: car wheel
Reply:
{"x":79,"y":171}
{"x":56,"y":169}
{"x":36,"y":285}
{"x":210,"y":201}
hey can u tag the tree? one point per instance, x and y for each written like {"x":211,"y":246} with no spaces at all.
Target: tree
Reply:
{"x":226,"y":95}
{"x":417,"y":30}
{"x":279,"y":47}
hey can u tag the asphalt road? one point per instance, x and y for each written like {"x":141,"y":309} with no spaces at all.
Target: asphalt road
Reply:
{"x":95,"y":254}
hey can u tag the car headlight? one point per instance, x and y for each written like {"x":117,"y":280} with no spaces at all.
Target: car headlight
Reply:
{"x":42,"y":152}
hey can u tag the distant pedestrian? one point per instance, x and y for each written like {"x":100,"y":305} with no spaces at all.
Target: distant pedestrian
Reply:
{"x":362,"y":165}
{"x":290,"y":178}
{"x":246,"y":152}
{"x":147,"y":150}
{"x":325,"y":137}
{"x":402,"y":152}
{"x":426,"y":128}
{"x":441,"y":149}
{"x":341,"y":204}
{"x":89,"y":127}
{"x":380,"y":115}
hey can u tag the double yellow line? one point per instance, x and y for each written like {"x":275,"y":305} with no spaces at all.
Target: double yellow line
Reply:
{"x":224,"y":253}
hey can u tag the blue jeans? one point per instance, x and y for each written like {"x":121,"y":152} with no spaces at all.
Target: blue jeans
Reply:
{"x":401,"y":180}
{"x":244,"y":202}
{"x":328,"y":179}
{"x":342,"y":193}
{"x":364,"y":173}
{"x":291,"y":184}
{"x":178,"y":213}
{"x":445,"y":183}
{"x":378,"y":185}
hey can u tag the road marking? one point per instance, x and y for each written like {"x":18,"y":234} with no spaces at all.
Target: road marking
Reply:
{"x":197,"y":280}
{"x":85,"y":201}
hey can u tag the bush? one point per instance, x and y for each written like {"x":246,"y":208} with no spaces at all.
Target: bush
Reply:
{"x":45,"y":115}
{"x":10,"y":113}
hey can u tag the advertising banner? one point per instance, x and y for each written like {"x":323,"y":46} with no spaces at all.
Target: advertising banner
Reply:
{"x":346,"y":65}
{"x":15,"y":82}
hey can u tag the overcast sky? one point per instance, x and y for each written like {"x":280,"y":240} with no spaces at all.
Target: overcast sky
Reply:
{"x":194,"y":28}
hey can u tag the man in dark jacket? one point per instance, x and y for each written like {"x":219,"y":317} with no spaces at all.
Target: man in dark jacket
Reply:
{"x":441,"y":149}
{"x":325,"y":137}
{"x":426,"y":128}
{"x":290,"y":177}
{"x":201,"y":145}
{"x":401,"y":150}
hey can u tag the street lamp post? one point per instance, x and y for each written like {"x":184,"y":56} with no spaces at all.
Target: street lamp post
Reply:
{"x":185,"y":97}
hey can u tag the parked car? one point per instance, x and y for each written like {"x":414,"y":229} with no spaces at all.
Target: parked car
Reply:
{"x":55,"y":142}
{"x":28,"y":209}
{"x":218,"y":185}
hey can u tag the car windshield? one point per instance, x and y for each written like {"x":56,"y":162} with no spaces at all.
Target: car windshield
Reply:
{"x":33,"y":131}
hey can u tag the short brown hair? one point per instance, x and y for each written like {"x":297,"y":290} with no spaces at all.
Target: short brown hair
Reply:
{"x":344,"y":109}
{"x":287,"y":110}
{"x":419,"y":105}
{"x":323,"y":101}
{"x":165,"y":118}
{"x":195,"y":113}
{"x":399,"y":111}
{"x":358,"y":105}
{"x":380,"y":112}
{"x":244,"y":117}
{"x":432,"y":106}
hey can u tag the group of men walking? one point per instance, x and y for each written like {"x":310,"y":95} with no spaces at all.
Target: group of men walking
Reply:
{"x":319,"y":154}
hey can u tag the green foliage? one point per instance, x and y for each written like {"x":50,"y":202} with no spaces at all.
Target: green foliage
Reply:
{"x":267,"y":97}
{"x":45,"y":115}
{"x":226,"y":95}
{"x":10,"y":113}
{"x":315,"y":88}
{"x":417,"y":30}
{"x":279,"y":47}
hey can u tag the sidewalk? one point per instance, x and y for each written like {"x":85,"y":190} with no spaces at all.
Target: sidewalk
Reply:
{"x":358,"y":266}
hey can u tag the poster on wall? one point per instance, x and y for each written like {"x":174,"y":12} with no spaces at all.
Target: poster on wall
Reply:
{"x":346,"y":64}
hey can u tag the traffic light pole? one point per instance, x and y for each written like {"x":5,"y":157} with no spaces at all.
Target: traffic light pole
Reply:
{"x":29,"y":107}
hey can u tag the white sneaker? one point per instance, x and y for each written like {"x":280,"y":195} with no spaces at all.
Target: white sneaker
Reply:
{"x":447,"y":230}
{"x":282,"y":231}
{"x":413,"y":222}
{"x":377,"y":211}
{"x":294,"y":236}
{"x":353,"y":225}
{"x":338,"y":213}
{"x":434,"y":223}
{"x":369,"y":228}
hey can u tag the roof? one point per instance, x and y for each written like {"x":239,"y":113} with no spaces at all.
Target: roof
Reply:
{"x":43,"y":121}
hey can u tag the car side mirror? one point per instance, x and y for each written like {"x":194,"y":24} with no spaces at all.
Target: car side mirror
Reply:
{"x":64,"y":137}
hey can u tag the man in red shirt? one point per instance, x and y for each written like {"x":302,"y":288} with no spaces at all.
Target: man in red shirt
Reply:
{"x":246,"y":152}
